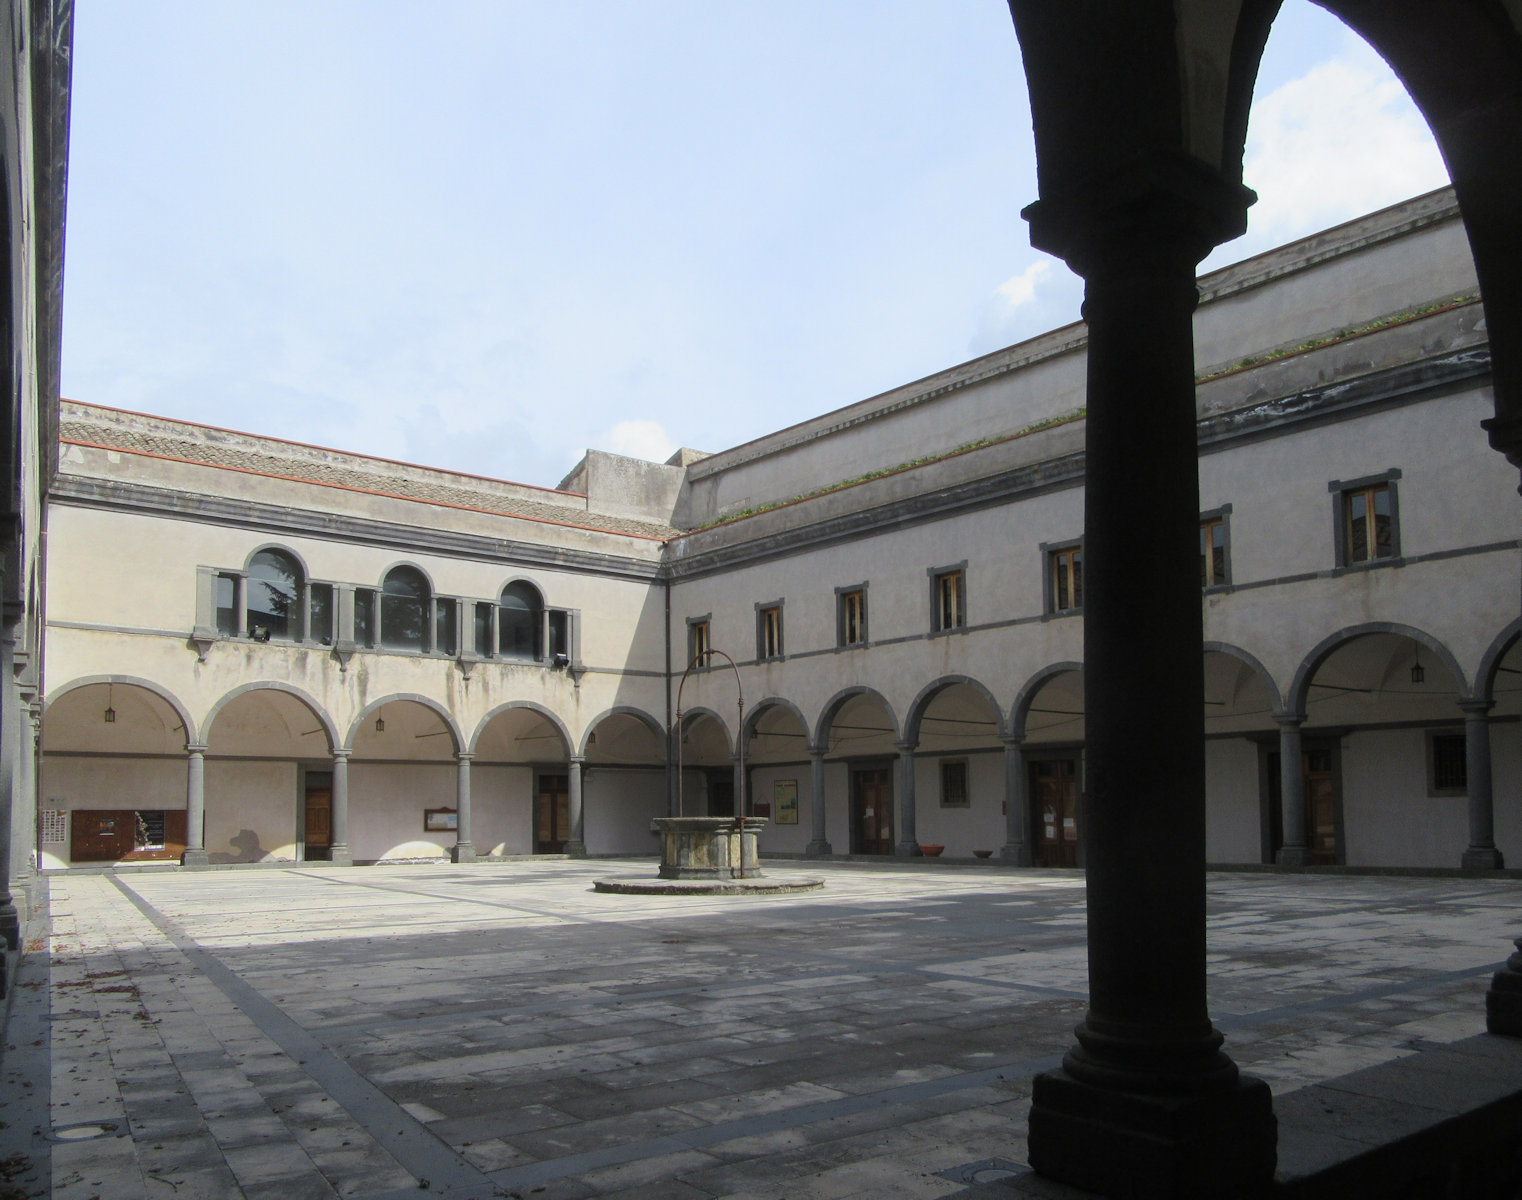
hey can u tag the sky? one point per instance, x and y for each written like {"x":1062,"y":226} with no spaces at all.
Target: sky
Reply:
{"x":488,"y":235}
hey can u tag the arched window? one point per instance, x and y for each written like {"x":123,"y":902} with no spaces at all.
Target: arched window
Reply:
{"x":275,"y":584}
{"x":519,"y":621}
{"x":405,"y":603}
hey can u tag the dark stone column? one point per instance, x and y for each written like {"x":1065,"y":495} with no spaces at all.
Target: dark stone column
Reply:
{"x":1146,"y":1103}
{"x":195,"y":808}
{"x":1016,"y":850}
{"x":908,"y":842}
{"x":1294,"y":852}
{"x":464,"y":849}
{"x":10,"y":732}
{"x":1482,"y":854}
{"x":818,"y":845}
{"x":338,"y":850}
{"x":576,"y":846}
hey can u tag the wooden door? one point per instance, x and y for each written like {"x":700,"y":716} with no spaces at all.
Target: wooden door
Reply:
{"x":1054,"y":799}
{"x":872,"y":810}
{"x":100,"y":834}
{"x":1320,"y":806}
{"x":319,"y":823}
{"x":552,"y":814}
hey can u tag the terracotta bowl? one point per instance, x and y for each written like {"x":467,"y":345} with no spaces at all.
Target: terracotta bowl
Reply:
{"x":981,"y":853}
{"x":930,"y":851}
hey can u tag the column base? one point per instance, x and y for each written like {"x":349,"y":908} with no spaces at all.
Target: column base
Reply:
{"x":340,"y":855}
{"x":1016,"y":854}
{"x":575,"y":850}
{"x":1482,"y":859}
{"x":1503,"y":1002}
{"x":907,"y":850}
{"x":195,"y":856}
{"x":1218,"y":1144}
{"x":1293,"y":856}
{"x":10,"y":929}
{"x":818,"y":850}
{"x":462,"y":852}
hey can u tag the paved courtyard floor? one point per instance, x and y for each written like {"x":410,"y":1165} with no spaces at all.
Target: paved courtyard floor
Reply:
{"x":501,"y":1030}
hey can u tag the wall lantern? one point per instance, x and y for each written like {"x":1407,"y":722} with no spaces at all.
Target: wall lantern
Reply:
{"x":380,"y":724}
{"x":110,"y":713}
{"x":1417,"y":674}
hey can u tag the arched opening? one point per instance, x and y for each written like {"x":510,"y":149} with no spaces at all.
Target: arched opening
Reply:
{"x":1240,"y":704}
{"x":405,"y":602}
{"x":1052,"y":716}
{"x":402,"y":783}
{"x":275,"y":585}
{"x":113,"y":775}
{"x":779,"y":783}
{"x":520,"y":620}
{"x":860,"y":734}
{"x":520,"y":784}
{"x":623,"y":783}
{"x":707,"y":784}
{"x":268,"y":780}
{"x":959,"y":770}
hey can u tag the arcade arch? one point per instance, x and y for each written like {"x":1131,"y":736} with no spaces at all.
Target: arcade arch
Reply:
{"x":520,"y":790}
{"x":404,"y":781}
{"x":956,"y":729}
{"x":623,"y":782}
{"x":864,"y":763}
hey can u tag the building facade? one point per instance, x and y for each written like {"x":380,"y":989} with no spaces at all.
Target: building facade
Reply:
{"x":263,"y":651}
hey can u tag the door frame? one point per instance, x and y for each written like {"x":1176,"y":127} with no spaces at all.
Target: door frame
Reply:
{"x":1057,"y":752}
{"x":303,"y":769}
{"x":1271,"y":814}
{"x":855,"y":765}
{"x":547,"y":768}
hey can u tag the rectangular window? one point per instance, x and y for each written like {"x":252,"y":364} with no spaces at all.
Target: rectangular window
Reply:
{"x":484,"y":638}
{"x":851,"y":616}
{"x":1213,"y":552}
{"x":948,"y":590}
{"x":320,"y":613}
{"x":698,"y":644}
{"x":444,"y":625}
{"x":1447,"y":765}
{"x":954,"y":793}
{"x":1066,"y":579}
{"x":364,"y":617}
{"x":227,"y":605}
{"x":1369,"y":533}
{"x":769,"y":631}
{"x":560,"y":634}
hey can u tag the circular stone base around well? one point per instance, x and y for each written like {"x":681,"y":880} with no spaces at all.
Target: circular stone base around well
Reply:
{"x":645,"y":886}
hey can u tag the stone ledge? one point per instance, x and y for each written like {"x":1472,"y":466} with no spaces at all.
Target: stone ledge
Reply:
{"x":642,"y":886}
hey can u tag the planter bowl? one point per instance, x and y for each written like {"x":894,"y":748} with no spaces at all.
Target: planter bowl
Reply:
{"x":981,"y":853}
{"x":930,"y":851}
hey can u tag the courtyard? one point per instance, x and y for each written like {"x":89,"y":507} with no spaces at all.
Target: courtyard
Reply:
{"x":501,"y":1030}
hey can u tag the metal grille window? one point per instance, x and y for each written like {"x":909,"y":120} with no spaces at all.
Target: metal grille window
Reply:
{"x":1450,"y":770}
{"x":954,"y":793}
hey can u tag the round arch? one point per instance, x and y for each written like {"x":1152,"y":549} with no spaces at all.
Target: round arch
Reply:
{"x":191,"y":736}
{"x":328,"y":727}
{"x":1022,"y":706}
{"x":640,"y":715}
{"x":432,"y":706}
{"x":689,"y":715}
{"x":1484,"y":686}
{"x":838,"y":701}
{"x":1294,"y":703}
{"x":278,"y":548}
{"x":1252,"y":662}
{"x":933,"y":689}
{"x":761,"y":708}
{"x":530,"y":706}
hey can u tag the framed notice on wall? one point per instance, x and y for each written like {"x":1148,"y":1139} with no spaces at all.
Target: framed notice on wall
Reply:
{"x":785,"y":801}
{"x":440,"y":820}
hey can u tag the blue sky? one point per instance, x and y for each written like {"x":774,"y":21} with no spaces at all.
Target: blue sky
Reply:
{"x":488,"y":235}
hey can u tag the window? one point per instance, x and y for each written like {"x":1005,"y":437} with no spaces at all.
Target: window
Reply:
{"x":954,"y":793}
{"x":227,"y":605}
{"x":1368,"y":519}
{"x":444,"y":625}
{"x":851,"y":616}
{"x":520,"y":616}
{"x":274,"y":587}
{"x":405,"y":605}
{"x":560,"y":635}
{"x":1065,"y":580}
{"x":485,"y":611}
{"x":364,"y":617}
{"x":320,"y":613}
{"x":948,"y":598}
{"x":769,"y":630}
{"x":698,"y":643}
{"x":1447,"y":765}
{"x":1215,"y":559}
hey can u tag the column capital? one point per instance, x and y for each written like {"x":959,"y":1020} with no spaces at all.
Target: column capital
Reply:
{"x":815,"y":751}
{"x":1475,"y":707}
{"x":904,"y":747}
{"x":1289,"y":720}
{"x":195,"y":747}
{"x":1012,"y":739}
{"x":578,"y":759}
{"x":342,"y":752}
{"x":465,"y":756}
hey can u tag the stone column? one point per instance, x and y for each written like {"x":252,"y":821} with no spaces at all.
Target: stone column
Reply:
{"x":1146,"y":1103}
{"x":195,"y":808}
{"x":576,"y":847}
{"x":1294,"y":851}
{"x":10,"y":917}
{"x":1016,"y":850}
{"x":1482,"y":854}
{"x":819,"y":845}
{"x":908,"y":841}
{"x":338,"y":849}
{"x":464,"y":850}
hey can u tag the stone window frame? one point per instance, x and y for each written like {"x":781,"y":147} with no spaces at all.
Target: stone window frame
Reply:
{"x":841,"y":601}
{"x":1050,"y":553}
{"x":956,"y":575}
{"x":209,"y":626}
{"x":1341,"y":489}
{"x":1435,"y":787}
{"x":700,"y":627}
{"x":769,"y":621}
{"x":1222,"y":517}
{"x":966,"y":766}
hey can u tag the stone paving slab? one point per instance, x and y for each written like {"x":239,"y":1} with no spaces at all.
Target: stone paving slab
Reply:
{"x":501,"y":1029}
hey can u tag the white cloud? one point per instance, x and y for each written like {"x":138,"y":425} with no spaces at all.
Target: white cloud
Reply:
{"x":1021,"y":289}
{"x":1044,"y":295}
{"x":638,"y":439}
{"x":1340,"y":140}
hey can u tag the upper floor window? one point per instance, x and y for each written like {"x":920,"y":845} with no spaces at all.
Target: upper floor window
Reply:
{"x":769,"y":630}
{"x":698,"y":643}
{"x":1065,"y":579}
{"x":406,"y":602}
{"x":226,"y":601}
{"x":520,"y":619}
{"x":1368,"y":519}
{"x":851,"y":616}
{"x":274,"y":587}
{"x":948,"y":597}
{"x":1215,"y":560}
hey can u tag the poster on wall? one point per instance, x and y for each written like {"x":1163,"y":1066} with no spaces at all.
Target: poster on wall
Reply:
{"x":440,"y":820}
{"x":785,"y":801}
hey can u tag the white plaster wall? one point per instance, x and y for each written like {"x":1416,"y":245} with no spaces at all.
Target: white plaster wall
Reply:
{"x":386,"y":803}
{"x":1389,"y":819}
{"x":1506,"y":788}
{"x":501,"y":809}
{"x":784,"y":839}
{"x":136,"y":783}
{"x":617,"y":806}
{"x":250,"y":811}
{"x":980,"y":826}
{"x":1233,"y":832}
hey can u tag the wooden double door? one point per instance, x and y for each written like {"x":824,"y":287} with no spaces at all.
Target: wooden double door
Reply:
{"x":552,"y":813}
{"x":317,"y":824}
{"x":1054,"y":811}
{"x":1319,"y":787}
{"x":872,"y":810}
